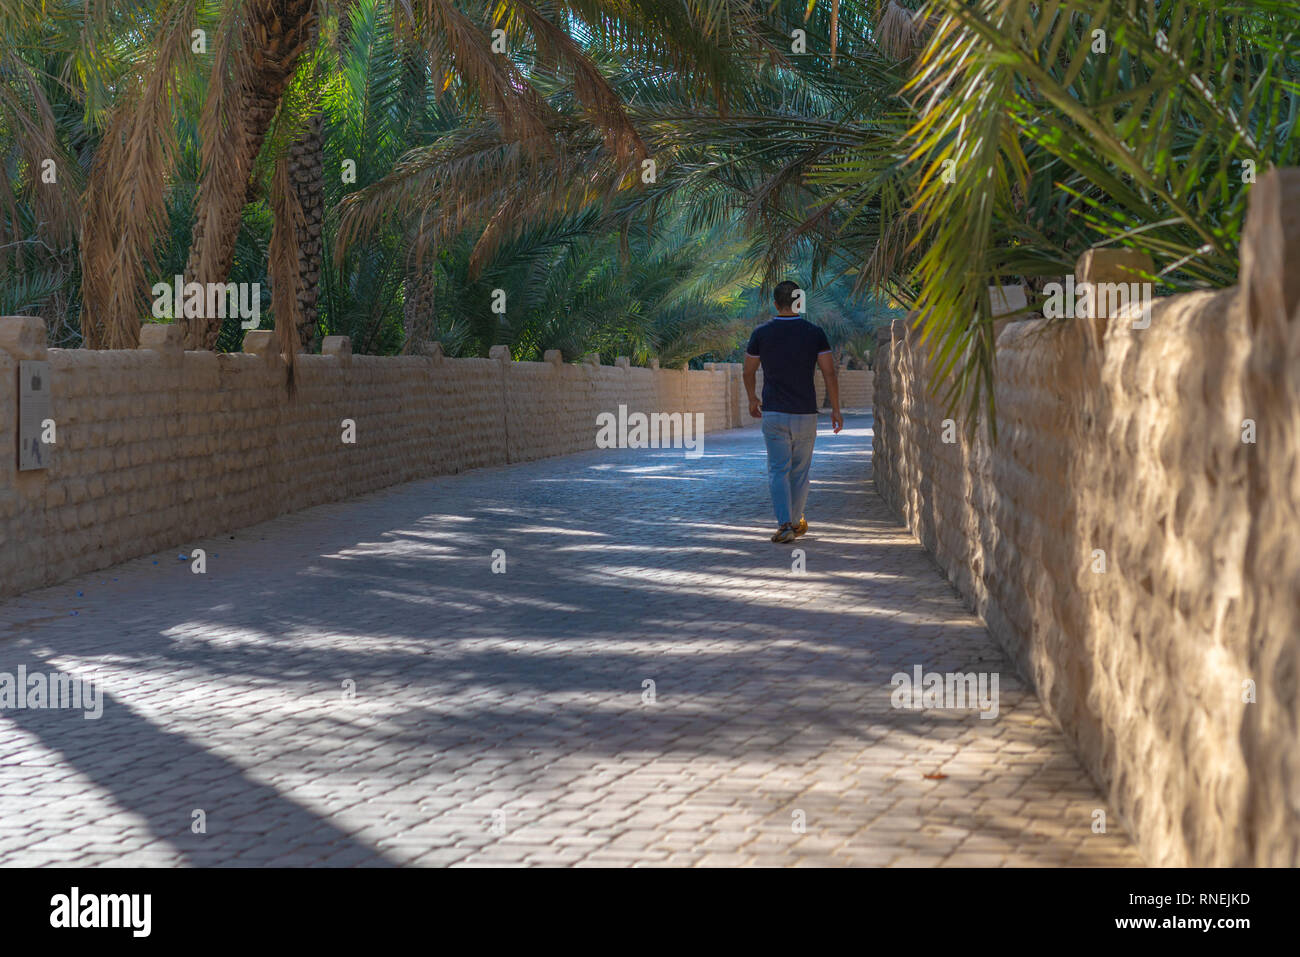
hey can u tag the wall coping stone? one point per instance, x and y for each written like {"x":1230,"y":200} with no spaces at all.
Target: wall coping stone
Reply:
{"x":23,"y":337}
{"x":1270,"y":247}
{"x":166,"y":339}
{"x":340,"y":347}
{"x":1107,"y":265}
{"x":261,"y":342}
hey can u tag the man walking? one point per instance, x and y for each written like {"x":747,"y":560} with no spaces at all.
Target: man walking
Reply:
{"x":789,"y":348}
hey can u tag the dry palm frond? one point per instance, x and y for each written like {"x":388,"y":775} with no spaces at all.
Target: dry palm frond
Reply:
{"x":604,"y":107}
{"x":27,"y":111}
{"x":835,"y":23}
{"x":260,"y":45}
{"x":513,"y":102}
{"x":126,"y":203}
{"x":835,"y":28}
{"x":887,"y":257}
{"x":897,"y":34}
{"x":500,"y":187}
{"x":224,"y":164}
{"x":282,"y":267}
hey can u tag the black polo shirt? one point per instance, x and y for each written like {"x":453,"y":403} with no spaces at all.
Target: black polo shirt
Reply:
{"x":788,"y":347}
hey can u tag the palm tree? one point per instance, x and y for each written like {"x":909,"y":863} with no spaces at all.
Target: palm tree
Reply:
{"x":54,"y":69}
{"x":1042,"y":129}
{"x":671,"y":295}
{"x":746,"y":145}
{"x":259,"y":46}
{"x":379,"y":103}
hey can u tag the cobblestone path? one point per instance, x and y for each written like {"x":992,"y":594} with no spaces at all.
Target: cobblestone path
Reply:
{"x":354,"y":685}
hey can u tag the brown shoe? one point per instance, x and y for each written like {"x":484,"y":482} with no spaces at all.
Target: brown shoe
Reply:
{"x":801,"y":528}
{"x":784,"y":534}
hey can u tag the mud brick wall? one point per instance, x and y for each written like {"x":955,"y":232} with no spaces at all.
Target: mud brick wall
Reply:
{"x":1129,"y":442}
{"x":20,"y":496}
{"x":857,"y":387}
{"x":158,"y":447}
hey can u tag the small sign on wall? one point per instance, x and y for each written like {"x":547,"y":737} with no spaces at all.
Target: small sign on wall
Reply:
{"x":35,"y":425}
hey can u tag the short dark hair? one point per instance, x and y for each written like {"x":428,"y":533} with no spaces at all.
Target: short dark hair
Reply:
{"x":783,"y":294}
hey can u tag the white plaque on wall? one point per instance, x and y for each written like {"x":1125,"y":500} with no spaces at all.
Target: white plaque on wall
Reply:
{"x":33,"y":414}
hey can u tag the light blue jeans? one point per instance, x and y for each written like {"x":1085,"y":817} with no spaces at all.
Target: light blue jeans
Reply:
{"x":789,"y":439}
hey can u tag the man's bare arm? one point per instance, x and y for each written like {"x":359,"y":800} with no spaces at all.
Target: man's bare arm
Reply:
{"x":751,"y":383}
{"x":826,"y":362}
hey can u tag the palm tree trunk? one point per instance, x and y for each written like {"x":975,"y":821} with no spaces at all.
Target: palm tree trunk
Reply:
{"x":307,"y":176}
{"x":275,"y":34}
{"x":417,"y":311}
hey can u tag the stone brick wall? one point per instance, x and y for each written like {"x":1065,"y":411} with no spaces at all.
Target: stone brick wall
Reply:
{"x":1128,"y":443}
{"x":158,"y":447}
